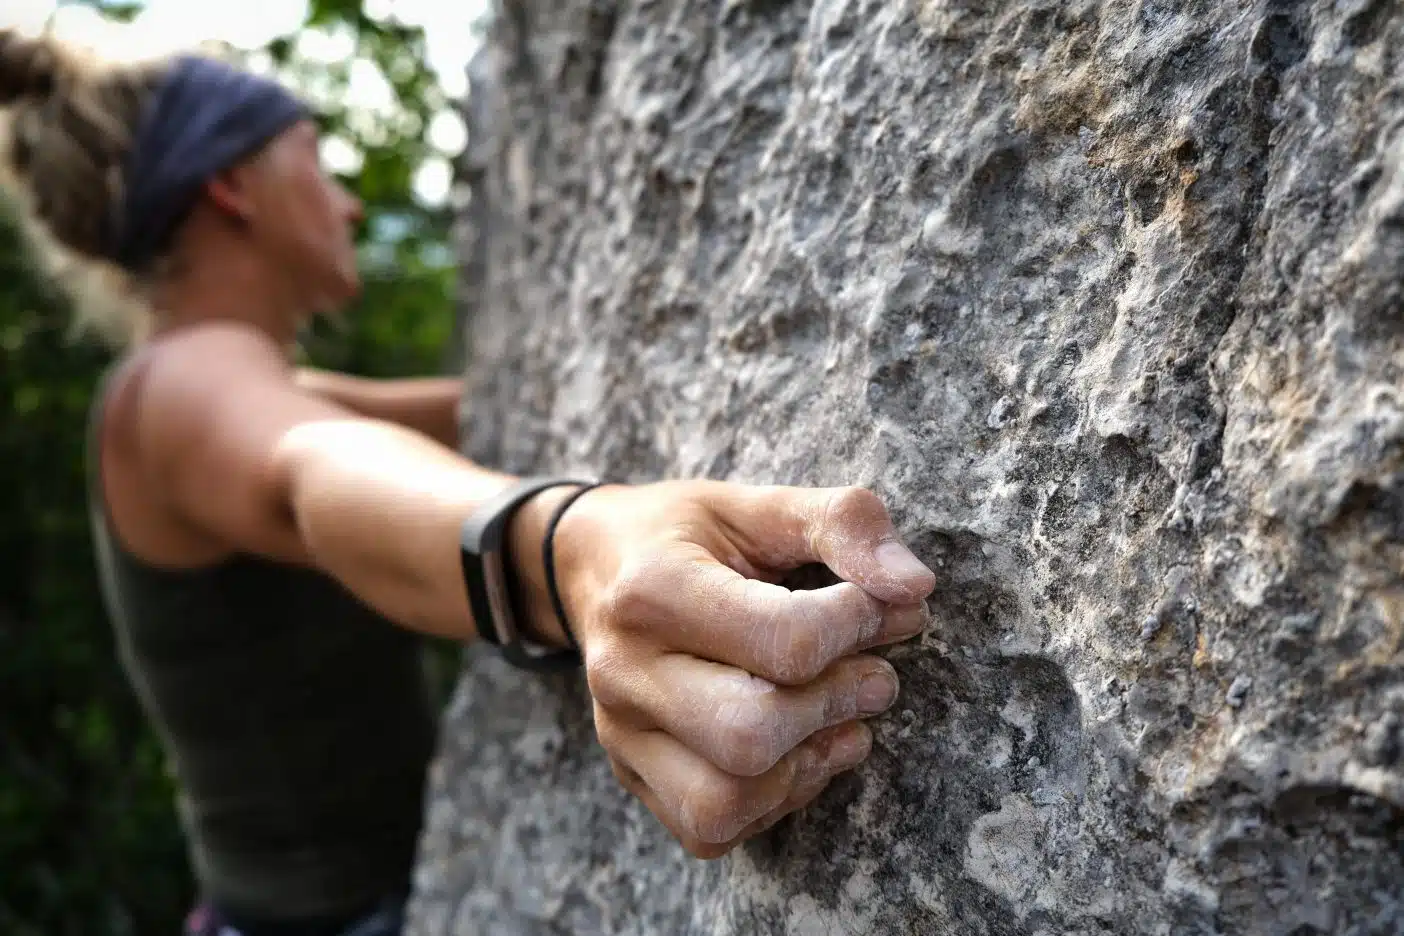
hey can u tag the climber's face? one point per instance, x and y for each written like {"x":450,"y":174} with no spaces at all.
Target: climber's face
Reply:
{"x":300,"y":220}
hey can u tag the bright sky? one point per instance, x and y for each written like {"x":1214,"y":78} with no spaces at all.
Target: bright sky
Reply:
{"x":170,"y":25}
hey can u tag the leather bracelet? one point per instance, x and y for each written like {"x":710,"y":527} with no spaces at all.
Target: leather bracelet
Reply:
{"x":490,"y":579}
{"x":548,"y":559}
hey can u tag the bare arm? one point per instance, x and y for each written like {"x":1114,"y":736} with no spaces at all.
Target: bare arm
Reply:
{"x":724,"y":701}
{"x":425,"y":404}
{"x":245,"y":455}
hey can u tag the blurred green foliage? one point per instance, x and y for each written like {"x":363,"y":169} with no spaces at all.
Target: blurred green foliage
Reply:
{"x":89,"y":844}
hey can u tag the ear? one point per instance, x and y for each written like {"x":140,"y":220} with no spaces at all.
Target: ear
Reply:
{"x":230,"y":192}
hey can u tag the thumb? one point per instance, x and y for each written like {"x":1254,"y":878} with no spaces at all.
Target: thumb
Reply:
{"x":846,"y":528}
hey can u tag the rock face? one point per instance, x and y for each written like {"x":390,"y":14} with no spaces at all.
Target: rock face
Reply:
{"x":1106,"y":299}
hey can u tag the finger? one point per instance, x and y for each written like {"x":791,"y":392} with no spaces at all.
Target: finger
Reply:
{"x":846,"y":528}
{"x":741,"y":723}
{"x":691,"y":603}
{"x":808,"y":786}
{"x":811,"y":780}
{"x":703,"y":805}
{"x":799,"y":800}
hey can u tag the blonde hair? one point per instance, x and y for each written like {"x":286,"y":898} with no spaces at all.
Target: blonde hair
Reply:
{"x":66,"y":125}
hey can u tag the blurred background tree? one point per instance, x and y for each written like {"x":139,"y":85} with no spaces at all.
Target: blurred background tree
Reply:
{"x":89,"y":844}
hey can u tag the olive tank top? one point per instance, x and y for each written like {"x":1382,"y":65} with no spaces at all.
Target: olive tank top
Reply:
{"x":297,"y":723}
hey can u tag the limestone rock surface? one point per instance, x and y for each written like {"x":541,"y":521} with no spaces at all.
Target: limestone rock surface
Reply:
{"x":1105,"y":300}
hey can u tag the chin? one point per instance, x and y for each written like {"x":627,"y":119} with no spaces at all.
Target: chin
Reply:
{"x":348,"y":281}
{"x":340,"y":293}
{"x":332,"y":302}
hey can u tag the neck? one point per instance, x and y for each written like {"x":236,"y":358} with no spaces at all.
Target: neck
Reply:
{"x":232,"y":288}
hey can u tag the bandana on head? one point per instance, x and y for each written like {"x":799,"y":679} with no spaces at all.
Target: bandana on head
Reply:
{"x":204,"y":118}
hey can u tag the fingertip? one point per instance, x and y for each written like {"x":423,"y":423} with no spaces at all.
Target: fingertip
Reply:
{"x":903,"y":622}
{"x":851,"y":747}
{"x":905,"y":569}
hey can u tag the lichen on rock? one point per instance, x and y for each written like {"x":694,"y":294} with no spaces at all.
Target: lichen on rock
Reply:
{"x":1106,"y":300}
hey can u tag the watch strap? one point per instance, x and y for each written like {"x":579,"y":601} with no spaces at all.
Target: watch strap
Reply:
{"x":491,"y":580}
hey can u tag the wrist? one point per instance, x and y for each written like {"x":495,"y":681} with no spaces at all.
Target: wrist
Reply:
{"x":526,"y":534}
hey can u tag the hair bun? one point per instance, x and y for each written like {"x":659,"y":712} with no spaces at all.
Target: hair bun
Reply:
{"x":28,"y":67}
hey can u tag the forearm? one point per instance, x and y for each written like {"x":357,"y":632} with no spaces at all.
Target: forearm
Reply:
{"x":428,"y":405}
{"x":381,"y":508}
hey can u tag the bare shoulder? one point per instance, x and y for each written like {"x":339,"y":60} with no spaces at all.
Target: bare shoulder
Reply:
{"x":202,"y":352}
{"x":178,"y":369}
{"x":214,"y":388}
{"x":198,"y":373}
{"x":211,"y":406}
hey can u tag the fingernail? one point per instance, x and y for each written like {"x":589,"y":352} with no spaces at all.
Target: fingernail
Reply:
{"x":897,"y":559}
{"x":877,"y":692}
{"x":851,"y":749}
{"x":902,"y":623}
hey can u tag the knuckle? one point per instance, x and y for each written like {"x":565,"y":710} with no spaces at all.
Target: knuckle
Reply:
{"x":864,"y":615}
{"x":841,"y":616}
{"x":709,"y":811}
{"x":605,"y":665}
{"x":797,"y":644}
{"x":854,"y":506}
{"x":839,"y":701}
{"x":751,"y":733}
{"x":796,"y":667}
{"x":632,"y":598}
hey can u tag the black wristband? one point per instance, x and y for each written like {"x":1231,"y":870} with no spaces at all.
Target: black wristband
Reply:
{"x":489,"y":577}
{"x":548,"y":559}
